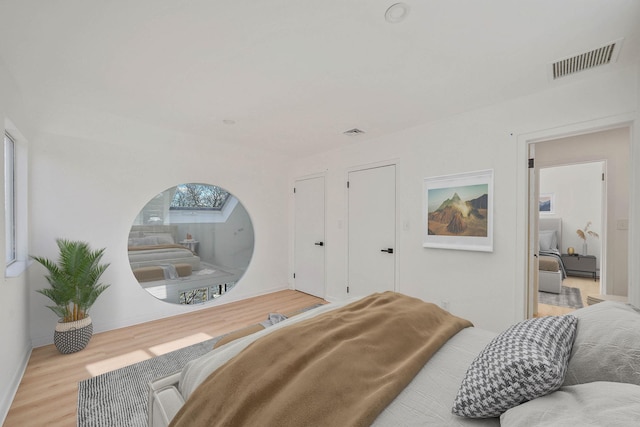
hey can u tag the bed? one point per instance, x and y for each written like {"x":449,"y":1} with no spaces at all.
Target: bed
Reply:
{"x":574,"y":357}
{"x":551,"y":271}
{"x":173,"y":272}
{"x":156,"y":246}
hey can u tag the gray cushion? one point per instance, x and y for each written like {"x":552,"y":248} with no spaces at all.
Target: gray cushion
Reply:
{"x":526,"y":361}
{"x":607,"y":345}
{"x":592,"y":404}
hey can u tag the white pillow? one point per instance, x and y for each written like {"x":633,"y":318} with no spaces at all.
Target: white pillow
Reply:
{"x":607,"y":346}
{"x":593,"y":404}
{"x":143,"y":241}
{"x":526,"y":361}
{"x":548,"y":240}
{"x":164,"y":239}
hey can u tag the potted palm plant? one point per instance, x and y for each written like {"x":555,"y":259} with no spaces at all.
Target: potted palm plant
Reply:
{"x":75,"y":286}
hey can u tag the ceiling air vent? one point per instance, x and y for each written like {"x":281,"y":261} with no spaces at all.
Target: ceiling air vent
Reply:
{"x":354,"y":131}
{"x":601,"y":56}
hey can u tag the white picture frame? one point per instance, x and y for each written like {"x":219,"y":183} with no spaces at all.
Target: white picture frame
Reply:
{"x":547,"y":203}
{"x":458,"y":211}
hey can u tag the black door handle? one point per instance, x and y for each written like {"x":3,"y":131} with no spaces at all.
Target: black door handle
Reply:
{"x":319,"y":243}
{"x":389,"y":250}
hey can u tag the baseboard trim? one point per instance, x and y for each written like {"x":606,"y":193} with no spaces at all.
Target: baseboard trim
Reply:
{"x":103,"y":326}
{"x":6,"y":399}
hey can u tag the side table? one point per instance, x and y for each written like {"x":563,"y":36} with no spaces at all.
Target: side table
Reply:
{"x":192,"y":245}
{"x":577,"y":265}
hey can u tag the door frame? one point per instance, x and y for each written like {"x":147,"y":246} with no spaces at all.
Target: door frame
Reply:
{"x":524,"y":271}
{"x":292,"y":244}
{"x":391,"y":162}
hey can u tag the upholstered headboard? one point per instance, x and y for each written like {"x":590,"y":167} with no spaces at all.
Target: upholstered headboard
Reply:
{"x":170,"y":231}
{"x":547,"y":225}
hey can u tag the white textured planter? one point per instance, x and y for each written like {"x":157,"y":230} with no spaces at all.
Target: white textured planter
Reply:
{"x":70,"y":337}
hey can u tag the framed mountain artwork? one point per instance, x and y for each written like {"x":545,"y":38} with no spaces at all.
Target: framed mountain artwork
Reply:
{"x":458,"y":211}
{"x":546,"y":205}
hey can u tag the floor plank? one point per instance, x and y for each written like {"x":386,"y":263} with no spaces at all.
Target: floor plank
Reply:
{"x":47,"y":395}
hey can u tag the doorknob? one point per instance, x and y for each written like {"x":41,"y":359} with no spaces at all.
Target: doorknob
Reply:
{"x":319,"y":243}
{"x":389,"y":250}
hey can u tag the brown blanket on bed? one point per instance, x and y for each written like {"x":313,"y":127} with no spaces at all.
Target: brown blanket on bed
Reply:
{"x":340,"y":368}
{"x":547,"y":263}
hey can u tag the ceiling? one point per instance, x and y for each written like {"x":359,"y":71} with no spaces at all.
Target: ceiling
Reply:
{"x":294,"y":75}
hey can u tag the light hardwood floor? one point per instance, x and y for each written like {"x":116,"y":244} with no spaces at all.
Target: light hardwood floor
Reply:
{"x":47,"y":395}
{"x":587,"y":286}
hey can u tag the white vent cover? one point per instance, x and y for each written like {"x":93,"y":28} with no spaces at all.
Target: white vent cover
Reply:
{"x":594,"y":58}
{"x":354,"y":131}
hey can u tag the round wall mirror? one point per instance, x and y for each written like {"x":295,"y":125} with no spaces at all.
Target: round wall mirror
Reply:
{"x":190,"y":244}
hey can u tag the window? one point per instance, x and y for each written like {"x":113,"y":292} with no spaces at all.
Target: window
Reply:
{"x":199,"y":196}
{"x":15,"y":201}
{"x":9,"y":199}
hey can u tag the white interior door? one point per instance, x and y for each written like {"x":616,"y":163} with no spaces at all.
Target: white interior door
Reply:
{"x":309,"y":244}
{"x":372,"y":230}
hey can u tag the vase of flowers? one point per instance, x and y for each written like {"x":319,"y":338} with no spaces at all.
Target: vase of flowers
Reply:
{"x":585,"y":232}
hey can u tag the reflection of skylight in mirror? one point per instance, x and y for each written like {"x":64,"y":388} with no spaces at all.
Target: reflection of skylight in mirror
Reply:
{"x":199,"y":196}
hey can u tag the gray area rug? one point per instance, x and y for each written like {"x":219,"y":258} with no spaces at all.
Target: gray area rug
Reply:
{"x":119,"y":398}
{"x":568,"y":297}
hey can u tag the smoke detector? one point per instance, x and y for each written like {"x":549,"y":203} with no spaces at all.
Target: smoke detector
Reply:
{"x":396,"y":13}
{"x":601,"y":56}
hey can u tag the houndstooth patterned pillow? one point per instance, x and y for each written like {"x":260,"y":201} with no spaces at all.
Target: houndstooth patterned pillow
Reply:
{"x":526,"y":361}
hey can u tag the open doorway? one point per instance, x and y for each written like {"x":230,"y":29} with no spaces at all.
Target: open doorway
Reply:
{"x":560,"y":172}
{"x":571,"y":233}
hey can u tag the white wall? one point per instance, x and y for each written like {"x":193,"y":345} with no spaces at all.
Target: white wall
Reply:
{"x":614,"y":147}
{"x":487,"y":288}
{"x":14,"y":299}
{"x":91,"y":189}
